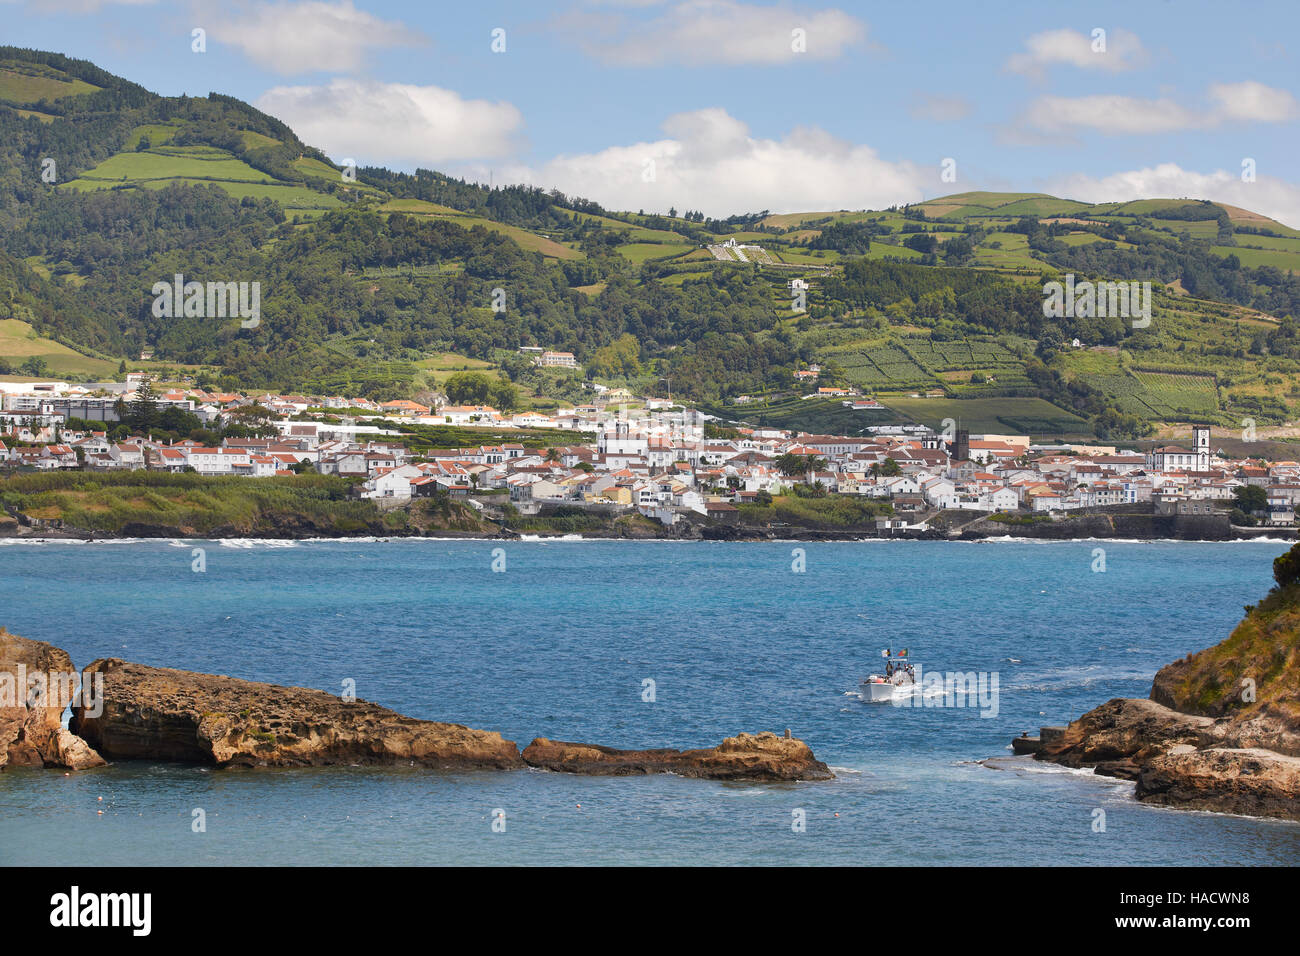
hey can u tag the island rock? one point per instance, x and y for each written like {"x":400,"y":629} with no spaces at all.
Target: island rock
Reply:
{"x":761,"y":757}
{"x":156,"y":713}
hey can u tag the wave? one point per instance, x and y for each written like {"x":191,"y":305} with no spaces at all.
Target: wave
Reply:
{"x":78,"y":541}
{"x":1081,"y":676}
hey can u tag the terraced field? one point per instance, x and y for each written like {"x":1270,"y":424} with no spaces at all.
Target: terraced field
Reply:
{"x":161,"y":165}
{"x":1166,"y":396}
{"x":883,"y":366}
{"x":1025,"y":416}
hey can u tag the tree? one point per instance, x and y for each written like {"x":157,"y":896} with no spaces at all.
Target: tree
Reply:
{"x":1286,"y":569}
{"x":34,"y":366}
{"x":504,"y":396}
{"x":1250,"y":498}
{"x":921,"y":242}
{"x":468,"y":388}
{"x":790,"y":464}
{"x":143,"y":412}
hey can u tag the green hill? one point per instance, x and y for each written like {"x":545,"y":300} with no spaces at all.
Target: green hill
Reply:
{"x":365,"y":279}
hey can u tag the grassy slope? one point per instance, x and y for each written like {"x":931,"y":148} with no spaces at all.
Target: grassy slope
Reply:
{"x":192,"y":504}
{"x":19,"y":342}
{"x":1264,"y":647}
{"x":526,"y":239}
{"x":24,"y":82}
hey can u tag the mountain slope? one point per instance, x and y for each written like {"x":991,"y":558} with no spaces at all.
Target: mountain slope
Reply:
{"x":366,"y":274}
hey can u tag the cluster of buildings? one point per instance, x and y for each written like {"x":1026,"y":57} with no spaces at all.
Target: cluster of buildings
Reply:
{"x":655,"y":459}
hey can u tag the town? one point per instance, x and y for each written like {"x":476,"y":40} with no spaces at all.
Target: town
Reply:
{"x":664,"y":461}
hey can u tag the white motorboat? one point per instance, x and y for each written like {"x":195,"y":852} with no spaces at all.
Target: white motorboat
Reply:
{"x":899,"y":678}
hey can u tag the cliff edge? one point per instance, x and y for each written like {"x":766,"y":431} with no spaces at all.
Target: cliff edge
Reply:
{"x":1221,"y":730}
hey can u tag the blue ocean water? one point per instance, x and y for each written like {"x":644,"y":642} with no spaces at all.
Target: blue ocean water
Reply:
{"x":559,"y":643}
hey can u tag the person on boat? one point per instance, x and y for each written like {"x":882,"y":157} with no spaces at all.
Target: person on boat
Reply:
{"x":889,"y":669}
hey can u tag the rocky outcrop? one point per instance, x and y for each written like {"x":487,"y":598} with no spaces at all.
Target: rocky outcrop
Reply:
{"x":37,"y":682}
{"x":156,"y":713}
{"x":161,"y":714}
{"x":1222,"y":728}
{"x":1230,"y":780}
{"x":761,"y":757}
{"x":1126,"y":729}
{"x":1186,"y":760}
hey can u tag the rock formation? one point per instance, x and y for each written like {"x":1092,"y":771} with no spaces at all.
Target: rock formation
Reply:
{"x":156,"y":713}
{"x":37,"y":682}
{"x":743,"y":757}
{"x":1222,"y":728}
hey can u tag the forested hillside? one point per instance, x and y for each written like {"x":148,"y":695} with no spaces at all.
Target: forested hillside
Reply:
{"x":370,"y":278}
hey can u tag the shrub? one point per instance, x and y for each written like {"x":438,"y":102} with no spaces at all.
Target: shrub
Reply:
{"x":1286,"y":568}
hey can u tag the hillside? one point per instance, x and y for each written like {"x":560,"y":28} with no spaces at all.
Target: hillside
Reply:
{"x":1255,"y":672}
{"x":375,"y":283}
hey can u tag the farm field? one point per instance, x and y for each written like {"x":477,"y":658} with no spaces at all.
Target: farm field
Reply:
{"x":438,"y":368}
{"x":23,"y":82}
{"x":879,"y":366}
{"x":1032,"y":416}
{"x":526,"y":240}
{"x":175,"y":162}
{"x":19,"y":342}
{"x":639,"y":252}
{"x":1278,"y":258}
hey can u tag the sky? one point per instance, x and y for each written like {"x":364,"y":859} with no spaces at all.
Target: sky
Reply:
{"x":730,"y":106}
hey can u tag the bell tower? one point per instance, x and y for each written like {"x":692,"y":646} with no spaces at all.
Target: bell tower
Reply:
{"x":1201,"y":445}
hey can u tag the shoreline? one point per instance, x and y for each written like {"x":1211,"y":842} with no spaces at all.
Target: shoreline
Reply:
{"x":578,"y":538}
{"x":692,"y":535}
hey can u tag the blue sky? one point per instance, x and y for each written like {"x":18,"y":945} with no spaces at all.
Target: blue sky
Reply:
{"x":732,"y":106}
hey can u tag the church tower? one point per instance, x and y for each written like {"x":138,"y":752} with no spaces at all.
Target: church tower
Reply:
{"x":1201,"y":445}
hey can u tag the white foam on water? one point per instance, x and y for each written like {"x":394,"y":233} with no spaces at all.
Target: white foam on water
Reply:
{"x":1083,"y":675}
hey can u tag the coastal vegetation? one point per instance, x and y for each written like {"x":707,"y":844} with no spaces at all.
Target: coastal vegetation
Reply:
{"x":810,"y":511}
{"x":1263,"y":649}
{"x":158,"y":503}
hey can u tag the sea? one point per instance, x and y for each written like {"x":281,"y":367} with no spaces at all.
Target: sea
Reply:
{"x":640,"y":644}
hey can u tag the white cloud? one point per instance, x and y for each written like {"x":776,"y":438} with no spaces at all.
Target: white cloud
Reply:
{"x":308,"y":36}
{"x":1117,"y":50}
{"x":1110,"y":114}
{"x":1253,"y":102}
{"x":1248,"y":102}
{"x":394,"y":123}
{"x":709,"y":161}
{"x":1268,"y":195}
{"x":702,"y":32}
